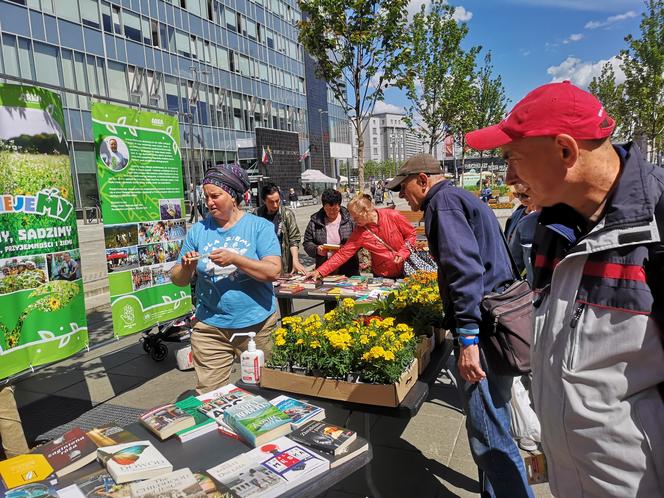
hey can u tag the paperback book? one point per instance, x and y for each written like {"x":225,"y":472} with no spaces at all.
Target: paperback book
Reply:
{"x":203,"y":424}
{"x":178,"y":484}
{"x":110,"y":434}
{"x":298,"y":411}
{"x":257,"y":421}
{"x":100,"y":484}
{"x":241,"y":477}
{"x":357,"y":447}
{"x":69,"y":452}
{"x":133,"y":461}
{"x":25,"y":469}
{"x":324,"y":437}
{"x":217,"y":401}
{"x":166,"y":420}
{"x":289,"y":460}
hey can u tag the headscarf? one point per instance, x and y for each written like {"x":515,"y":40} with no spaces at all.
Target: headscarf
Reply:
{"x":229,"y":177}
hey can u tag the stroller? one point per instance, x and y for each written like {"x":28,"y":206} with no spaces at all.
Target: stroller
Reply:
{"x":177,"y":330}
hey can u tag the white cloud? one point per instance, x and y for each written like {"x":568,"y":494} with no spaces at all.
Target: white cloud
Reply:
{"x":462,"y":15}
{"x":575,"y":37}
{"x":385,"y":107}
{"x":581,"y":73}
{"x":415,"y":5}
{"x":525,"y":52}
{"x":610,"y":20}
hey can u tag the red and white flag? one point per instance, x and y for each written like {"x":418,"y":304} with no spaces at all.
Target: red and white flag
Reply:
{"x":304,"y":155}
{"x":449,"y":146}
{"x":264,"y":157}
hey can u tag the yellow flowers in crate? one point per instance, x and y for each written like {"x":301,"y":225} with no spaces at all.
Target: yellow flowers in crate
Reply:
{"x":416,"y":303}
{"x":341,"y":345}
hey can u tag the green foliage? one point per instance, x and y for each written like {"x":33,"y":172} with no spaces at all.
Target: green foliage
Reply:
{"x":612,"y":96}
{"x":358,"y":46}
{"x":381,"y":169}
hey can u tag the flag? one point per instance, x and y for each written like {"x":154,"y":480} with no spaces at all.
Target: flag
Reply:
{"x":264,"y":157}
{"x":449,"y":146}
{"x":304,"y":155}
{"x":269,"y":155}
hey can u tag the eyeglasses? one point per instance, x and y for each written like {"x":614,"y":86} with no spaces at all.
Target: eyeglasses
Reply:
{"x":521,"y":196}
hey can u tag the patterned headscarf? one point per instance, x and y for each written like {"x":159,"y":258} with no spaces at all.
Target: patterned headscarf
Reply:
{"x":229,"y":177}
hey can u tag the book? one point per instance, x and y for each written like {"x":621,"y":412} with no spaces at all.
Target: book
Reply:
{"x":324,"y":290}
{"x":69,"y":452}
{"x":331,"y":247}
{"x":100,"y":484}
{"x":357,"y":447}
{"x":208,"y":484}
{"x":298,"y":411}
{"x":290,"y":288}
{"x":180,"y":484}
{"x":217,"y":401}
{"x":25,"y":469}
{"x":110,"y":434}
{"x":166,"y":420}
{"x":240,"y":477}
{"x":257,"y":421}
{"x":71,"y":491}
{"x":324,"y":437}
{"x":334,"y":279}
{"x":289,"y":460}
{"x":203,"y":424}
{"x":133,"y":461}
{"x":301,"y":280}
{"x":42,"y":489}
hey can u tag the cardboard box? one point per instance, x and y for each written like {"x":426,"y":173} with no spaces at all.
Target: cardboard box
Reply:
{"x":370,"y":394}
{"x":423,"y":352}
{"x":441,"y":334}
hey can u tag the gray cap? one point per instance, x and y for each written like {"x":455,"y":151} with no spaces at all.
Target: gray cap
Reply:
{"x":419,"y":163}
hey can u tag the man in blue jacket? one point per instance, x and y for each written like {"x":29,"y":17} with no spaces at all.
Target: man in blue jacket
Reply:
{"x":466,"y":241}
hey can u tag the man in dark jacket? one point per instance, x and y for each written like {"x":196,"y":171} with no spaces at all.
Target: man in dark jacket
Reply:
{"x":465,"y":240}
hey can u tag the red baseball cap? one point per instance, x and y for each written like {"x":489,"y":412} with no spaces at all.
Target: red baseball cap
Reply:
{"x":547,"y":111}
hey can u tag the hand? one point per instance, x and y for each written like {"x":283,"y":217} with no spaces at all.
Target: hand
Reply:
{"x":469,"y":364}
{"x":321,"y":251}
{"x":299,"y":268}
{"x":313,"y":275}
{"x":222,"y":257}
{"x":190,"y":260}
{"x":398,"y":260}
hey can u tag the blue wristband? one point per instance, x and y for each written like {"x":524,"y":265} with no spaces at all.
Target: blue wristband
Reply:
{"x":468,"y":340}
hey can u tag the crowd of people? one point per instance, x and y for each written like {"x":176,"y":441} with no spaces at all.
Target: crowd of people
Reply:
{"x":588,"y":238}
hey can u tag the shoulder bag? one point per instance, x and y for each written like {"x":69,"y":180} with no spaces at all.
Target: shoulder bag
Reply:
{"x":416,"y":261}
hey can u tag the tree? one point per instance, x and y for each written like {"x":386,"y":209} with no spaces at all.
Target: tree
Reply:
{"x":437,"y":73}
{"x":358,"y":46}
{"x":643,"y":65}
{"x":612,"y":96}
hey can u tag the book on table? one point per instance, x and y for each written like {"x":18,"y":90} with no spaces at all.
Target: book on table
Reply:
{"x":298,"y":411}
{"x":290,"y":288}
{"x":110,"y":434}
{"x":25,"y":469}
{"x":217,"y":401}
{"x":268,"y":470}
{"x":69,"y":452}
{"x":100,"y":484}
{"x":324,"y":437}
{"x":166,"y":420}
{"x":180,"y":483}
{"x":202,"y":423}
{"x":322,"y":291}
{"x":133,"y":461}
{"x":257,"y":421}
{"x":334,"y":279}
{"x":356,"y":448}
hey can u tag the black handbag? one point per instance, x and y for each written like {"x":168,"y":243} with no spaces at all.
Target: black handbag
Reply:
{"x":416,"y":261}
{"x":509,"y":312}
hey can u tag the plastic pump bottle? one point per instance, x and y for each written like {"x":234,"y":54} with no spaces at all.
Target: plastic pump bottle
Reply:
{"x":251,"y":360}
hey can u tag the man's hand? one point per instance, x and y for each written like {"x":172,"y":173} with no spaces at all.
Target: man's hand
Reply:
{"x":313,"y":275}
{"x":299,"y":268}
{"x":470,"y":368}
{"x":223,"y":257}
{"x":190,"y":260}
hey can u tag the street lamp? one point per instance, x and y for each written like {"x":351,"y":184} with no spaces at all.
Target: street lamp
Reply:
{"x":322,"y":142}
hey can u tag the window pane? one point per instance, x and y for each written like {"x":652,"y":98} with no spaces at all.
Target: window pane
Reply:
{"x":182,"y":43}
{"x":46,"y":64}
{"x":25,"y":59}
{"x":37,"y":25}
{"x":117,"y":23}
{"x":92,"y":77}
{"x":106,"y":17}
{"x":68,"y":10}
{"x":117,"y":80}
{"x":10,"y":55}
{"x":68,"y":76}
{"x":132,"y":25}
{"x":14,"y":19}
{"x":229,"y":15}
{"x":89,"y":13}
{"x":222,"y":57}
{"x":147,"y":30}
{"x":93,"y":41}
{"x":71,"y":35}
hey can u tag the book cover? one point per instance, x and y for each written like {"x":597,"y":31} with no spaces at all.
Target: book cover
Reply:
{"x":166,"y":420}
{"x":256,"y":420}
{"x":331,"y":247}
{"x":202,"y":423}
{"x":291,"y":461}
{"x":110,"y":434}
{"x":333,"y":279}
{"x":324,"y":437}
{"x":180,"y":484}
{"x":41,"y":489}
{"x":69,"y":452}
{"x":132,"y":461}
{"x":290,"y":288}
{"x":357,"y":447}
{"x":217,"y":401}
{"x":241,"y":477}
{"x":100,"y":484}
{"x":324,"y":290}
{"x":24,"y":469}
{"x":209,"y":485}
{"x":298,"y":411}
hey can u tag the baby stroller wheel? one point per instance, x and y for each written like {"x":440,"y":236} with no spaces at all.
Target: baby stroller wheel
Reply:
{"x":159,"y":352}
{"x":147,"y":346}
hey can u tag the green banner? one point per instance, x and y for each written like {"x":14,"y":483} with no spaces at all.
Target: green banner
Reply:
{"x":139,"y":170}
{"x":42,"y":313}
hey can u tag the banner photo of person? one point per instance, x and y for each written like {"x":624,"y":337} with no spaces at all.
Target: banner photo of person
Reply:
{"x":139,"y":171}
{"x":42,"y":317}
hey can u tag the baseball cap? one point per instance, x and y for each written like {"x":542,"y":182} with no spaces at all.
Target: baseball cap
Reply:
{"x":547,"y":111}
{"x":419,"y":163}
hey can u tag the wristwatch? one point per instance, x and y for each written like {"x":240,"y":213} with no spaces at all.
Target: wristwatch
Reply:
{"x":468,"y":340}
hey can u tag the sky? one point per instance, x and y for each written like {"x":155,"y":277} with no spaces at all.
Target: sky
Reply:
{"x":534,"y":42}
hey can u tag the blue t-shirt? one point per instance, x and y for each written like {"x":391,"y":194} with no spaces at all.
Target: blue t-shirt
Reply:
{"x":227,"y":297}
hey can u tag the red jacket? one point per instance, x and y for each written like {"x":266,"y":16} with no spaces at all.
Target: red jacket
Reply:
{"x":393,"y":228}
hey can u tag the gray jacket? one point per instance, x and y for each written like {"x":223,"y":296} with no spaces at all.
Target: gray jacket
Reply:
{"x":597,"y":355}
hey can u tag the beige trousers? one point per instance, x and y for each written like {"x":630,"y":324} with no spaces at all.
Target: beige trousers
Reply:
{"x":11,"y":430}
{"x":213,"y":352}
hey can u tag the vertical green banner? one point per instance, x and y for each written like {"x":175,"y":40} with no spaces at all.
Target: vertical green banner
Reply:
{"x":42,"y":313}
{"x":139,"y":170}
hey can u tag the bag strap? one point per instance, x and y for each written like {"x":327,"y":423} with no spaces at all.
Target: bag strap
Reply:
{"x":381,"y":240}
{"x":515,"y":269}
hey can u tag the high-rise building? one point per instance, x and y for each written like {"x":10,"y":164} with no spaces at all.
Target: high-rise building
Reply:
{"x":225,"y":69}
{"x":387,"y":138}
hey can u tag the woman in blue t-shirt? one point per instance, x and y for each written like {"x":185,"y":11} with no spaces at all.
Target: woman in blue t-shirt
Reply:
{"x":236,"y":257}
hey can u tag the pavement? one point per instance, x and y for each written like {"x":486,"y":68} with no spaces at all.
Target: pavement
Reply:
{"x":425,"y":456}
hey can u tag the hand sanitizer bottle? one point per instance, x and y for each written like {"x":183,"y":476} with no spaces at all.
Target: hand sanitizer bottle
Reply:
{"x":251,"y":360}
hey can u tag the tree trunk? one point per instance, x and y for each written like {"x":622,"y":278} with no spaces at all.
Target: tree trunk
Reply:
{"x":360,"y":154}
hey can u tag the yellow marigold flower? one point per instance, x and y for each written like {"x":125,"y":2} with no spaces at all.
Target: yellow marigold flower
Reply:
{"x":348,"y":303}
{"x":364,"y":339}
{"x":291,"y":320}
{"x":372,"y":333}
{"x":402,"y":327}
{"x":330,"y":315}
{"x":299,"y":341}
{"x":405,"y":336}
{"x":388,"y":322}
{"x":279,"y":341}
{"x":314,"y":344}
{"x":389,"y":355}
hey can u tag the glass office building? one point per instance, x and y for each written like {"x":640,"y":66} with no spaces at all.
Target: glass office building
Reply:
{"x":224,"y":68}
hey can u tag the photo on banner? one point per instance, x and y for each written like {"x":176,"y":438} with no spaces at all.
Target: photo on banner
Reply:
{"x":139,"y":171}
{"x":42,"y":312}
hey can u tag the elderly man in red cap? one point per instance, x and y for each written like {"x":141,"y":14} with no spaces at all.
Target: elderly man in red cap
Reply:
{"x":597,"y":358}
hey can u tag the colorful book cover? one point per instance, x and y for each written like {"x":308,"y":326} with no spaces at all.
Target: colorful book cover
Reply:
{"x":289,"y":460}
{"x":132,"y":461}
{"x":166,"y":420}
{"x":257,"y":420}
{"x":324,"y":437}
{"x":217,"y":401}
{"x":241,"y":477}
{"x":202,"y":423}
{"x":111,"y":434}
{"x":298,"y":411}
{"x":180,"y":483}
{"x":100,"y":484}
{"x":24,"y":469}
{"x":71,"y":451}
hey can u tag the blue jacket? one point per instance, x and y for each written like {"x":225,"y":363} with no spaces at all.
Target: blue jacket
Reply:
{"x":465,"y":239}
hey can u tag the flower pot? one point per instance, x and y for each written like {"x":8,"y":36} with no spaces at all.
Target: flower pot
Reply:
{"x":297,"y":369}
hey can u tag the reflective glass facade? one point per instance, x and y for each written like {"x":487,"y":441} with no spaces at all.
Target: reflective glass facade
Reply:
{"x":224,"y":68}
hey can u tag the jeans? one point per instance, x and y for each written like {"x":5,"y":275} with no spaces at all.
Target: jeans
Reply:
{"x":502,"y":472}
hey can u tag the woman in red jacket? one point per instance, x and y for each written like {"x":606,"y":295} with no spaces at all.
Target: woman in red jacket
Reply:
{"x":385,"y":233}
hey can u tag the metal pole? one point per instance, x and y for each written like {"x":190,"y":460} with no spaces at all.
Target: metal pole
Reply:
{"x":322,"y":138}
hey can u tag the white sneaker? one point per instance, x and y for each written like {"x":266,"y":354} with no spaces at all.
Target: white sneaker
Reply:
{"x":527,"y":444}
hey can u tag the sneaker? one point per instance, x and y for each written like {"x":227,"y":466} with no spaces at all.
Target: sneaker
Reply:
{"x":527,"y":444}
